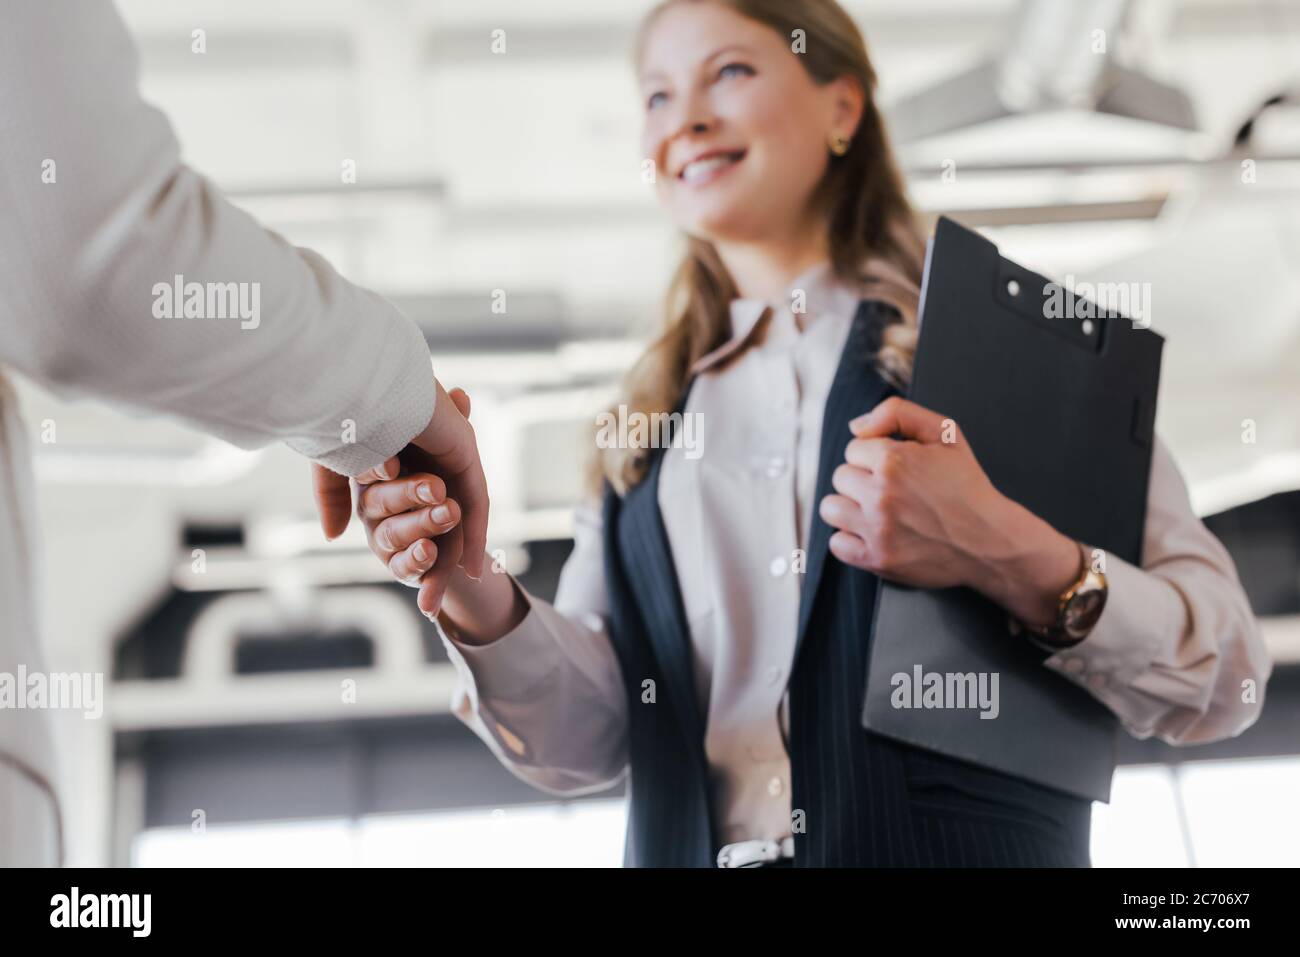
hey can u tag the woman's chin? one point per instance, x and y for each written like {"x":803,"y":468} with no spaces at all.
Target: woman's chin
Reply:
{"x":721,"y":224}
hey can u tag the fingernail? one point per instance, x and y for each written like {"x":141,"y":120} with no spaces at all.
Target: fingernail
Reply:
{"x":440,"y":514}
{"x":855,"y":424}
{"x":424,"y":492}
{"x":420,"y":553}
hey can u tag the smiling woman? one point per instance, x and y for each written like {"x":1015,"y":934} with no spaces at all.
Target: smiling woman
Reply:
{"x":710,"y":630}
{"x":762,"y":115}
{"x":765,"y":112}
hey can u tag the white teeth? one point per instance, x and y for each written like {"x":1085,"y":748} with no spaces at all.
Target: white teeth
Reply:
{"x":701,"y":168}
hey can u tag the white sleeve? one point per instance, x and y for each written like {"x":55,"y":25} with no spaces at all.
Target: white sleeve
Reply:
{"x":548,"y":697}
{"x":100,"y":214}
{"x":1177,"y":652}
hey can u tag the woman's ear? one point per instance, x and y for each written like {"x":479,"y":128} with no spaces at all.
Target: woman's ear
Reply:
{"x":848,"y":101}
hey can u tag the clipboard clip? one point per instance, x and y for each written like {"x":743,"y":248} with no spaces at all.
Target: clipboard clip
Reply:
{"x":1051,"y":305}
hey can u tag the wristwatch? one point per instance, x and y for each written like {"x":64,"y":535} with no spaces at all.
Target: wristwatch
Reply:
{"x":1077,"y":608}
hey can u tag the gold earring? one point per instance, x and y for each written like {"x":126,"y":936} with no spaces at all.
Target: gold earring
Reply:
{"x":839,"y":144}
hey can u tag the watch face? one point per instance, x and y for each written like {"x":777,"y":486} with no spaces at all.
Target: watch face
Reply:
{"x":1083,"y":610}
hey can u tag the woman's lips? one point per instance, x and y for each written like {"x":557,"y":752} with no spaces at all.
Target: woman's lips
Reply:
{"x":703,"y":171}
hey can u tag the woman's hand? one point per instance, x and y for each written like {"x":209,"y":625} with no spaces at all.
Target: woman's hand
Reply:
{"x":446,"y":447}
{"x":401,"y":527}
{"x":919,"y":510}
{"x":402,"y":517}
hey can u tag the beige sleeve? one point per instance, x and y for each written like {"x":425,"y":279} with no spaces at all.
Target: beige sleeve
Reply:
{"x":548,"y":696}
{"x":1177,"y":652}
{"x":100,"y":218}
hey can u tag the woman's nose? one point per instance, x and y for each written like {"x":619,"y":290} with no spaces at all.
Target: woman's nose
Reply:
{"x":697,"y":117}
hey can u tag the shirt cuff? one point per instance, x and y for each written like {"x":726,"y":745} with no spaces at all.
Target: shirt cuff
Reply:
{"x":405,"y":413}
{"x":1142,"y":620}
{"x":512,"y":667}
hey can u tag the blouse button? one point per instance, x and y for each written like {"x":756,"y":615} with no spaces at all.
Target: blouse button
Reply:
{"x":774,"y":787}
{"x":777,"y":567}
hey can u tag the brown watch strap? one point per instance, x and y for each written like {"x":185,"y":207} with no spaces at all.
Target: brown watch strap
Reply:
{"x":1056,"y":635}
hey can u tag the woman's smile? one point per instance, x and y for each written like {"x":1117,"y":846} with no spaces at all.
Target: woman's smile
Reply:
{"x":709,"y":167}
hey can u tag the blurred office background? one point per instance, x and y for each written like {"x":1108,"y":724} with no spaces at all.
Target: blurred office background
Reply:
{"x":193,"y":574}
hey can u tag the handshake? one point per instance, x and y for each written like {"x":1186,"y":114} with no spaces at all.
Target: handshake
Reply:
{"x":432,"y":489}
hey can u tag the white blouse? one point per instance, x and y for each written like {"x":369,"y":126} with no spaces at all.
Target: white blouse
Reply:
{"x":1168,"y":655}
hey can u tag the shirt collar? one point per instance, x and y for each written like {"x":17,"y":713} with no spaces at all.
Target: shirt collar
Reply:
{"x":823,"y":293}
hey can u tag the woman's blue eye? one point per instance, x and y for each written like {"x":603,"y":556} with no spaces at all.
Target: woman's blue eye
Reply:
{"x":731,"y":69}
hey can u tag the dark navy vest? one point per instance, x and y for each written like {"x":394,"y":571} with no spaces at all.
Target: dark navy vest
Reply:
{"x":858,"y":799}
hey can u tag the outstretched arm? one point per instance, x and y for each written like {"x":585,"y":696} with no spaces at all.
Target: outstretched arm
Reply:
{"x":539,"y":683}
{"x":125,"y":275}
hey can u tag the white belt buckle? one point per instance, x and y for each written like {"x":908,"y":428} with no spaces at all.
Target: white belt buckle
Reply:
{"x":755,"y":853}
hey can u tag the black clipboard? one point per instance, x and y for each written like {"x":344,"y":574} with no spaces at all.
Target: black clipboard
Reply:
{"x":1057,"y":400}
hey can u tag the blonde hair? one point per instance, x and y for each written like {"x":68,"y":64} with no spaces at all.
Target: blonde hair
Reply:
{"x":875,"y":237}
